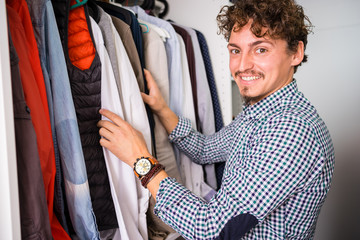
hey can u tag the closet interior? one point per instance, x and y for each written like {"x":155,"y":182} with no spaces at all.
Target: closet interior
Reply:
{"x":62,"y":61}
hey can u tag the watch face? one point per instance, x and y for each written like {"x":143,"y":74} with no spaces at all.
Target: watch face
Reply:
{"x":143,"y":166}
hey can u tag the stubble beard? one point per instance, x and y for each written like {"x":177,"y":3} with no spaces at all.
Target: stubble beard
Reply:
{"x":250,"y":100}
{"x":244,"y":93}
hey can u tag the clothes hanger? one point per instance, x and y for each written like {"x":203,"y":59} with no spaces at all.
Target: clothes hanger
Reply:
{"x":164,"y":9}
{"x":123,"y":6}
{"x":148,"y":4}
{"x":164,"y":35}
{"x":147,"y":28}
{"x":78,"y":3}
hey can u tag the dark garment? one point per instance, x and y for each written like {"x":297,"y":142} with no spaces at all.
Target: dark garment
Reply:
{"x":219,"y":124}
{"x":86,"y":92}
{"x":117,"y":11}
{"x":237,"y":227}
{"x":192,"y":66}
{"x":34,"y":217}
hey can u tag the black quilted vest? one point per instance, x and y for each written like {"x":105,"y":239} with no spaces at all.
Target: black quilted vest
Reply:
{"x":86,"y":92}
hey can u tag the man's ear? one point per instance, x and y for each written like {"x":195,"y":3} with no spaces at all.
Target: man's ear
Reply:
{"x":298,"y":55}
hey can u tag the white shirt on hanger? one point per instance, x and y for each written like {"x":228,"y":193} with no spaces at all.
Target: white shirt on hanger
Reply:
{"x":130,"y":198}
{"x":107,"y":101}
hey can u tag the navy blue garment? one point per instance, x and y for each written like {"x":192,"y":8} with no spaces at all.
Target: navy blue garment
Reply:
{"x":219,"y":124}
{"x":237,"y":227}
{"x":116,"y":11}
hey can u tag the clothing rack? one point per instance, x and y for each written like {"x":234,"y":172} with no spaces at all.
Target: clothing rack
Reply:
{"x":159,"y":8}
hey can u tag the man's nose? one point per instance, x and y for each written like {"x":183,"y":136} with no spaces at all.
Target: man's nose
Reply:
{"x":245,"y":62}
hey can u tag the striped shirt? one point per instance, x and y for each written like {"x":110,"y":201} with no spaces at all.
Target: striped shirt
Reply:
{"x":279,"y":164}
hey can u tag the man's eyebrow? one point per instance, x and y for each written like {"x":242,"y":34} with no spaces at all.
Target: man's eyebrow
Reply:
{"x":252,"y":44}
{"x":233,"y":45}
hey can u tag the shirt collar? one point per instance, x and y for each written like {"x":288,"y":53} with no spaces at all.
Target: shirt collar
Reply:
{"x":265,"y":105}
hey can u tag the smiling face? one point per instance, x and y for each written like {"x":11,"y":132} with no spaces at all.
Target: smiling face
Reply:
{"x":261,"y":66}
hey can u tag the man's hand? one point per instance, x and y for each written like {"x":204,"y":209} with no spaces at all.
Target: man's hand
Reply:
{"x":121,"y":138}
{"x":155,"y":100}
{"x":157,"y":103}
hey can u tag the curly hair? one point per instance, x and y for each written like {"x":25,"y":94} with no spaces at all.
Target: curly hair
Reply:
{"x":283,"y":19}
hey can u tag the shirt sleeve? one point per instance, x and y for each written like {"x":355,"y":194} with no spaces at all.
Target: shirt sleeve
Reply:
{"x":280,"y":160}
{"x":202,"y":149}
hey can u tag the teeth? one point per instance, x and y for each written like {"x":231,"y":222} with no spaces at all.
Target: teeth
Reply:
{"x":249,"y":78}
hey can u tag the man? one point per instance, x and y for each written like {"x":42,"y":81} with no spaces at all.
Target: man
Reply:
{"x":278,"y":152}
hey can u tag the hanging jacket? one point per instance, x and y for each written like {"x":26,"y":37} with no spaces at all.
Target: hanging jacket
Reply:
{"x":84,"y":69}
{"x":35,"y":96}
{"x":40,"y":18}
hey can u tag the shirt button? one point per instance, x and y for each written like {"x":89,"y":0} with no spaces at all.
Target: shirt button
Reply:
{"x":27,"y":109}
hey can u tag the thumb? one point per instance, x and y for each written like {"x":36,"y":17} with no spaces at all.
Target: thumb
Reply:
{"x":146,"y":98}
{"x":151,"y":102}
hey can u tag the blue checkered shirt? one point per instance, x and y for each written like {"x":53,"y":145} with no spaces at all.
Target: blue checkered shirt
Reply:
{"x":279,"y":164}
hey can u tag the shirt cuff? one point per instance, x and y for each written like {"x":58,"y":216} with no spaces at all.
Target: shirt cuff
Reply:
{"x":181,"y":130}
{"x":169,"y":192}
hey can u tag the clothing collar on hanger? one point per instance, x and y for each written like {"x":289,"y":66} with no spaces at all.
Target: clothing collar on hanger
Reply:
{"x":162,"y":32}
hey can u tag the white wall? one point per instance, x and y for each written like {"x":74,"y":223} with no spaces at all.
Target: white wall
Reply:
{"x":329,"y":80}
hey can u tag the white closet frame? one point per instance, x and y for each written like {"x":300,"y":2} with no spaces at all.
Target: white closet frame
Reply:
{"x":9,"y":200}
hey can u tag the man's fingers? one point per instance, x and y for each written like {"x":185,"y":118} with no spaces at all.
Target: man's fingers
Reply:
{"x":146,"y":98}
{"x":107,"y":124}
{"x":105,"y":143}
{"x":105,"y":133}
{"x":112,"y":116}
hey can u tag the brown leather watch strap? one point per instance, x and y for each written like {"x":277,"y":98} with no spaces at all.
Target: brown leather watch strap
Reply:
{"x":150,"y":175}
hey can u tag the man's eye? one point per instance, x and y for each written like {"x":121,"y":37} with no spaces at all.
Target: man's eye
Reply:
{"x":234,"y":51}
{"x":261,"y":50}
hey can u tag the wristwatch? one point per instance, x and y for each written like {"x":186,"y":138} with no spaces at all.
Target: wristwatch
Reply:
{"x":143,"y":165}
{"x":146,"y":168}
